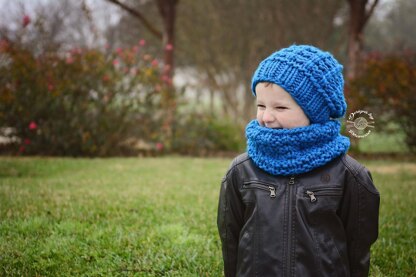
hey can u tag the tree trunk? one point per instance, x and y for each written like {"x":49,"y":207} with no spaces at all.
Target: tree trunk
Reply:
{"x":167,"y":10}
{"x":358,"y":17}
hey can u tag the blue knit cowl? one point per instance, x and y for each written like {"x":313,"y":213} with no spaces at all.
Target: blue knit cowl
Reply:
{"x":295,"y":151}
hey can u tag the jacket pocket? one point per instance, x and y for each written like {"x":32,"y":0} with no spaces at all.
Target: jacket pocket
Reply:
{"x":314,"y":193}
{"x":270,"y":188}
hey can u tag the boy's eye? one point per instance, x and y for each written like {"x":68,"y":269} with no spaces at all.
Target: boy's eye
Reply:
{"x":281,"y":107}
{"x":260,"y":106}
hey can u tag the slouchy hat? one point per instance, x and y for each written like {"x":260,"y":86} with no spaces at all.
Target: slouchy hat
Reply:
{"x":311,"y":76}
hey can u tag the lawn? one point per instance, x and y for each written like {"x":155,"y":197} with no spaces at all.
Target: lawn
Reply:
{"x":382,"y":143}
{"x":152,"y":217}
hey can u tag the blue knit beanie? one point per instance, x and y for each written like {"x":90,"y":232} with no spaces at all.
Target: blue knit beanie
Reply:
{"x":312,"y":77}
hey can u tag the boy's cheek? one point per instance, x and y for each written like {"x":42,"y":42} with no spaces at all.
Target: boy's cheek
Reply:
{"x":259,"y":118}
{"x":261,"y":123}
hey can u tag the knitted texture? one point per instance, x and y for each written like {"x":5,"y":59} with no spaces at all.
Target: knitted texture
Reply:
{"x":312,"y":77}
{"x":297,"y":150}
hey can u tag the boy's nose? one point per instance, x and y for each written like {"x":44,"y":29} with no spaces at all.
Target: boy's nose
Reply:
{"x":268,"y":117}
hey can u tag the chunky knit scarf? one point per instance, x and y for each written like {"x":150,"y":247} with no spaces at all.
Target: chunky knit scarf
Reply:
{"x":297,"y":150}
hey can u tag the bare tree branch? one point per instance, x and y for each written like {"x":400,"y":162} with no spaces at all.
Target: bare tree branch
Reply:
{"x":370,"y":11}
{"x":139,"y":16}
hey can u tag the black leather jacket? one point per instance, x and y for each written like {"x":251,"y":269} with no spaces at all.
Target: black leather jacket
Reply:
{"x":320,"y":223}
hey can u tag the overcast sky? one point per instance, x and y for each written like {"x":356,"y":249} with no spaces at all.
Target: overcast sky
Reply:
{"x":102,"y":7}
{"x":103,"y":12}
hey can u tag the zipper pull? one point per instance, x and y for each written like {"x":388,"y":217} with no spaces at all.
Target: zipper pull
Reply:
{"x":292,"y":180}
{"x":272,"y":191}
{"x":311,"y":194}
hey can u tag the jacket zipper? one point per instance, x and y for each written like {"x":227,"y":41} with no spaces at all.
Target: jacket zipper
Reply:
{"x":262,"y":186}
{"x":289,"y":244}
{"x":313,"y":193}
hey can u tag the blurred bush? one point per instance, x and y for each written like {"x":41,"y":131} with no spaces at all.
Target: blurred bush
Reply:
{"x":88,"y":102}
{"x":200,"y":134}
{"x":387,"y":87}
{"x":83,"y":102}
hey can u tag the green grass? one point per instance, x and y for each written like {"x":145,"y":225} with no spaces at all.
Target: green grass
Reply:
{"x":151,"y":217}
{"x":383,"y":143}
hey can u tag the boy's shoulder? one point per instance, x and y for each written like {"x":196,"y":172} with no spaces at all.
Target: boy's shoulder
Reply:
{"x":237,"y":161}
{"x":352,"y":164}
{"x":361,"y":174}
{"x":240,"y":159}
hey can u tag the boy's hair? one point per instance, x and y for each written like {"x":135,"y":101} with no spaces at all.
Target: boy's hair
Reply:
{"x":312,"y":77}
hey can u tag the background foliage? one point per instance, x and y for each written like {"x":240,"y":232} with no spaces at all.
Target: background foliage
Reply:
{"x":92,"y":102}
{"x":115,"y":107}
{"x":83,"y":102}
{"x":387,"y":86}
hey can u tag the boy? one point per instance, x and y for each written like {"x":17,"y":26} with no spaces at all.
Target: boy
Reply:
{"x":296,"y":204}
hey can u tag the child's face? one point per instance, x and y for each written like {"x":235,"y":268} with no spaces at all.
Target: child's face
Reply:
{"x":277,"y":109}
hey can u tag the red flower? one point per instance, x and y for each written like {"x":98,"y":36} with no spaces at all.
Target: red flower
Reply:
{"x":155,"y":63}
{"x":115,"y":62}
{"x":27,"y":141}
{"x":21,"y":149}
{"x":4,"y":44}
{"x":164,"y":77}
{"x":167,"y":80}
{"x":133,"y":71}
{"x":166,"y":68}
{"x":69,"y":60}
{"x":159,"y":146}
{"x":142,"y":42}
{"x":26,"y":21}
{"x":106,"y":78}
{"x":50,"y":87}
{"x":119,"y":50}
{"x":33,"y":126}
{"x":169,"y":47}
{"x":76,"y":51}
